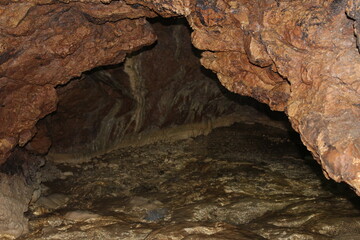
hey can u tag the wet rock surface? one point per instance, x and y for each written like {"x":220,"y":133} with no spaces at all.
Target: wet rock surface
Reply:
{"x":247,"y":181}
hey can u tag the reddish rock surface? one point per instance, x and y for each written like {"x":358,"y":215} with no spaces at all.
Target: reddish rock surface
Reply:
{"x":297,"y":56}
{"x":41,"y":142}
{"x":44,"y":45}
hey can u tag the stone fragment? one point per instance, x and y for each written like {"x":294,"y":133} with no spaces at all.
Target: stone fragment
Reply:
{"x":15,"y":196}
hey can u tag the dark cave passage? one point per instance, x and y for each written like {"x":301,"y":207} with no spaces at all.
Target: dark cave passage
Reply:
{"x":159,"y":92}
{"x":156,"y":148}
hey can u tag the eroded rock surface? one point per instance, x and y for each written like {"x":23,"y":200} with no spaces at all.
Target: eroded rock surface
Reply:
{"x":19,"y":179}
{"x":15,"y":196}
{"x":44,"y":45}
{"x":297,"y":56}
{"x":247,"y":181}
{"x":301,"y":57}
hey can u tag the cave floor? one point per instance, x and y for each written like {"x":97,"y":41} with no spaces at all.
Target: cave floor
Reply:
{"x":247,"y":181}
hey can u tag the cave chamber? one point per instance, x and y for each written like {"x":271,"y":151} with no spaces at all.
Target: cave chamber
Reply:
{"x":130,"y":124}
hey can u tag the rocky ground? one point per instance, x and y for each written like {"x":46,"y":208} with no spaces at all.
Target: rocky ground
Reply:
{"x":247,"y":181}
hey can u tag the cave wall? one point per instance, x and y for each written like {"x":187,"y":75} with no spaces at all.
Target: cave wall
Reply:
{"x":297,"y":56}
{"x":45,"y":44}
{"x":159,"y":87}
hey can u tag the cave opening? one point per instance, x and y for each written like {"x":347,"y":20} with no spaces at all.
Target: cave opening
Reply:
{"x":157,"y":148}
{"x":159,"y":87}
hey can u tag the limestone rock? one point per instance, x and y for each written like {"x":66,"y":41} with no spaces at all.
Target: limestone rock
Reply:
{"x":298,"y":56}
{"x":15,"y":196}
{"x":313,"y":50}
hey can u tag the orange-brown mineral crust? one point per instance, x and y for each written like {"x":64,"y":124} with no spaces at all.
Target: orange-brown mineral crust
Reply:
{"x":298,"y":56}
{"x":46,"y":43}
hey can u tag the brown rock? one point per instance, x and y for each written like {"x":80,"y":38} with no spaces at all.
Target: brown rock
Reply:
{"x":41,"y":142}
{"x":237,"y":74}
{"x":312,"y":46}
{"x":298,"y":56}
{"x":55,"y":47}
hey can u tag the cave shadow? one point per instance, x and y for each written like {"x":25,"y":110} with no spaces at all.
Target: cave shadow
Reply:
{"x":338,"y":189}
{"x":244,"y":100}
{"x":172,"y":21}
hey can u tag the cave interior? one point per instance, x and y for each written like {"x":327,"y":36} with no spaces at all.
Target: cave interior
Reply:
{"x":156,"y":142}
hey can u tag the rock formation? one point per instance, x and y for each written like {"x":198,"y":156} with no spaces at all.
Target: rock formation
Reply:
{"x":298,"y":56}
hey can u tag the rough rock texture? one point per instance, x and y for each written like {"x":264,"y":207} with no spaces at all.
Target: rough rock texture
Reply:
{"x":297,"y":56}
{"x":247,"y":181}
{"x":14,"y":197}
{"x":161,"y":87}
{"x":310,"y":44}
{"x":18,"y":180}
{"x":41,"y":142}
{"x":44,"y":45}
